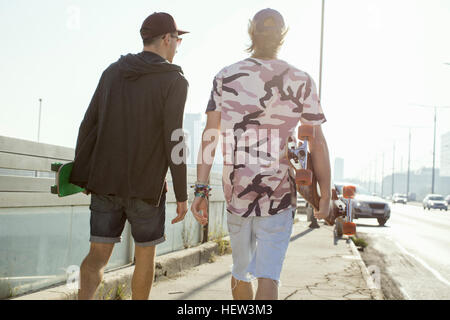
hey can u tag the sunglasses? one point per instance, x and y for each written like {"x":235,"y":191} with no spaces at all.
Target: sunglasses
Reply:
{"x":178,"y":39}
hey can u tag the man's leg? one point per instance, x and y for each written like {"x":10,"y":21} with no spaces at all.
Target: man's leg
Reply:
{"x":273,"y":235}
{"x":91,"y":270}
{"x":241,"y":290}
{"x":243,"y":247}
{"x":144,"y":272}
{"x":267,"y":289}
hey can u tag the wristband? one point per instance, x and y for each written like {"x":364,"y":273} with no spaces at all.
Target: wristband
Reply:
{"x":201,"y":190}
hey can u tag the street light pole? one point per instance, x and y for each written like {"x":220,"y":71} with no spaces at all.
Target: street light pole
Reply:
{"x":434,"y":153}
{"x":39,"y":120}
{"x":382,"y":176}
{"x":409,"y":154}
{"x":409,"y":164}
{"x":314,"y":223}
{"x":434,"y":138}
{"x":321,"y":49}
{"x":393,"y":167}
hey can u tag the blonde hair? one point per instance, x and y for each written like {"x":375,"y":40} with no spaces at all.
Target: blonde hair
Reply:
{"x":266,"y":44}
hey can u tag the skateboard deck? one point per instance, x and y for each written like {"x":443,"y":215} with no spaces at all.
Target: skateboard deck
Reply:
{"x":305,"y":179}
{"x":348,"y":226}
{"x":62,"y":185}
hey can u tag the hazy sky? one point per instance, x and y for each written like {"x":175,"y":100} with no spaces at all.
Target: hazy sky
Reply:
{"x":379,"y":57}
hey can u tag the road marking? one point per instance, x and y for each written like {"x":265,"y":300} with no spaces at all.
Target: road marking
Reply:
{"x":434,"y":272}
{"x":350,"y":257}
{"x":407,"y":297}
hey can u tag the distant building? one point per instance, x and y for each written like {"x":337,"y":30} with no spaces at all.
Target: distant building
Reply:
{"x":445,"y":155}
{"x":419,"y":184}
{"x":338,"y":169}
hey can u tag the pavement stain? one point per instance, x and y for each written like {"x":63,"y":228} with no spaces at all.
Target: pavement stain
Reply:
{"x":335,"y":280}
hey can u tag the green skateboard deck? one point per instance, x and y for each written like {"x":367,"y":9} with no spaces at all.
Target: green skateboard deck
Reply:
{"x":63,"y":187}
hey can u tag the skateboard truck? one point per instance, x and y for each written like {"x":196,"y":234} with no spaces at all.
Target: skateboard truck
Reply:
{"x":55,"y":167}
{"x":298,"y":155}
{"x":349,"y":227}
{"x":336,"y":209}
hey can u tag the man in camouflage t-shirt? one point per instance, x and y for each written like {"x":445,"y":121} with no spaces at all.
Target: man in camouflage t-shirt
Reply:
{"x":258,"y":103}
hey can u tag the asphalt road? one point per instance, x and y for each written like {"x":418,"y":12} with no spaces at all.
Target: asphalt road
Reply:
{"x":416,"y":247}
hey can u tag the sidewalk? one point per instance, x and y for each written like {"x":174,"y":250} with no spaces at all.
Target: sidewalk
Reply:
{"x":317,"y":267}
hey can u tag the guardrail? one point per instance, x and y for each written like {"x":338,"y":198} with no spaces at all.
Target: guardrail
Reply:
{"x":44,"y":237}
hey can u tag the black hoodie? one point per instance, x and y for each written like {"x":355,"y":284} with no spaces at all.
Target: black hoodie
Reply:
{"x":124,"y":142}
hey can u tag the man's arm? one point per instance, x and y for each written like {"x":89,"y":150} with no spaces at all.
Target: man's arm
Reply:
{"x":321,"y":163}
{"x":173,"y":122}
{"x":90,"y":119}
{"x":206,"y":154}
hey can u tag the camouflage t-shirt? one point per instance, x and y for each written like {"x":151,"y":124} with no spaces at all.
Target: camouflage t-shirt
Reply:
{"x":261,"y":103}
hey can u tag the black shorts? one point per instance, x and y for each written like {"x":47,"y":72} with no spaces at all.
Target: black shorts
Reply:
{"x":109,"y":214}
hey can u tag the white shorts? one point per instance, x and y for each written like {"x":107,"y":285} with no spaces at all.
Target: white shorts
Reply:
{"x":259,"y":244}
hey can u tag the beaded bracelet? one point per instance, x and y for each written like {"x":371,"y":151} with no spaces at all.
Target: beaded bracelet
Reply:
{"x":201,"y":190}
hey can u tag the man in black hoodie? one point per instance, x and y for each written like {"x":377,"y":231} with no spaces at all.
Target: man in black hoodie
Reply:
{"x":124,"y":148}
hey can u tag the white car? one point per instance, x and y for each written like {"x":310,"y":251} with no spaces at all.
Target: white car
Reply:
{"x":435,"y":201}
{"x":399,"y":198}
{"x":366,"y":205}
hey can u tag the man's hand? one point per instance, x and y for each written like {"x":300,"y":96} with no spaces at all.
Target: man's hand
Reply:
{"x":324,"y":209}
{"x":199,"y":209}
{"x":182,"y":209}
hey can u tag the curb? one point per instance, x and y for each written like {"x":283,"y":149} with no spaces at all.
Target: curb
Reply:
{"x":376,"y":292}
{"x":116,"y":284}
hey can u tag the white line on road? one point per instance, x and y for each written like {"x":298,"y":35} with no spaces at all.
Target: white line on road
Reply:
{"x":407,"y":297}
{"x":434,"y":272}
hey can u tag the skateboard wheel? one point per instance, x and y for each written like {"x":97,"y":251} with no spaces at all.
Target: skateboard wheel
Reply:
{"x":303,"y":177}
{"x":349,"y":228}
{"x":349,"y":192}
{"x":305,"y":131}
{"x":55,"y":166}
{"x":54,"y":189}
{"x":334,"y":196}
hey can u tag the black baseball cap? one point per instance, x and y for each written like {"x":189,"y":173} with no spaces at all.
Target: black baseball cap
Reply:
{"x":157,"y":24}
{"x":267,"y":21}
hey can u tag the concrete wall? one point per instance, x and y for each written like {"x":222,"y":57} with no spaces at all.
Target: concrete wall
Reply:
{"x":43,"y":237}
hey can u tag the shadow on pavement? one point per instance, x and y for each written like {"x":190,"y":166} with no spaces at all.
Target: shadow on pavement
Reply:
{"x":304,"y":233}
{"x":186,"y":295}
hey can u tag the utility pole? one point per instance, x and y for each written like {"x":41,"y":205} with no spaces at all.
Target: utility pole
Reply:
{"x":39,"y":120}
{"x":434,"y":153}
{"x":434,"y":138}
{"x":321,"y":49}
{"x":409,"y":154}
{"x":314,"y":223}
{"x":382,"y":176}
{"x":409,"y":164}
{"x":393,"y":168}
{"x":375,"y":174}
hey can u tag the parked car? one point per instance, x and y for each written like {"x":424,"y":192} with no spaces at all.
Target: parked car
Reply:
{"x":399,"y":198}
{"x":367,"y":206}
{"x":435,"y":201}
